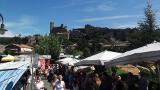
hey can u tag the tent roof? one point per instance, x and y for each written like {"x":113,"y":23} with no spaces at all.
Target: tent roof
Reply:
{"x":68,"y":60}
{"x":11,"y":73}
{"x":99,"y":59}
{"x":148,"y":52}
{"x":147,"y":48}
{"x":95,"y":57}
{"x":14,"y":65}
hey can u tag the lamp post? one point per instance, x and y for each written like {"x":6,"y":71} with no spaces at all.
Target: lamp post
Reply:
{"x":32,"y":65}
{"x":2,"y":29}
{"x":32,"y":84}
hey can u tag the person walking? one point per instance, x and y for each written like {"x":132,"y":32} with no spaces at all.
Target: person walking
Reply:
{"x":39,"y":84}
{"x":54,"y":81}
{"x":143,"y":83}
{"x":96,"y":81}
{"x":60,"y":85}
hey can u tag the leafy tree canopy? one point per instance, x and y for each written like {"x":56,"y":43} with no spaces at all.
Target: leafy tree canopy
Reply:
{"x":49,"y":44}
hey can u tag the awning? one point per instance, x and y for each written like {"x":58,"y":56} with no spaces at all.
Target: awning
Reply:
{"x":9,"y":76}
{"x":98,"y":59}
{"x":68,"y":61}
{"x":150,"y":52}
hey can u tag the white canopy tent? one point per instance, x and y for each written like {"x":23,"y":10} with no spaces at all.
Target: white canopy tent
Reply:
{"x":68,"y":61}
{"x":98,"y":59}
{"x":150,"y":52}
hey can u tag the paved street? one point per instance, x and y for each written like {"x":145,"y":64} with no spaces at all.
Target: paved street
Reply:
{"x":47,"y":85}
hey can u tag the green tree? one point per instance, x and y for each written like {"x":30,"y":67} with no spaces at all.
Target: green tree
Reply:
{"x":9,"y":52}
{"x":16,"y":40}
{"x":24,"y":40}
{"x":5,"y":40}
{"x":146,"y":29}
{"x":148,"y":25}
{"x":49,"y":45}
{"x":86,"y":52}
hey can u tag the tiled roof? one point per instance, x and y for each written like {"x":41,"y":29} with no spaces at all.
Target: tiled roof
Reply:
{"x":22,"y":45}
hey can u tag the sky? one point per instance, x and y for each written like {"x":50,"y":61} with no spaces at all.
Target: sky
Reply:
{"x":29,"y":17}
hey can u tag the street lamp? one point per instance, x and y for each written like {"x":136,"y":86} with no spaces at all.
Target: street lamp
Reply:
{"x":2,"y":29}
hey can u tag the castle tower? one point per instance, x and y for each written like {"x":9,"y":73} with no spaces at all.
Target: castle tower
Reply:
{"x":51,"y":27}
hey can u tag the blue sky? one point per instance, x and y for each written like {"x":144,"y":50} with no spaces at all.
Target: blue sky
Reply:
{"x":28,"y":17}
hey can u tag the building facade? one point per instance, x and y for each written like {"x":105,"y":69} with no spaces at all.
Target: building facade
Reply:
{"x":19,"y":48}
{"x":60,"y":31}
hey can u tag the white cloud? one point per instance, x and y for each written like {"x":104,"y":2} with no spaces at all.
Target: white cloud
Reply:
{"x":158,"y":13}
{"x":104,"y":7}
{"x":22,"y":25}
{"x":78,"y":27}
{"x":64,"y":6}
{"x":126,"y":26}
{"x":72,"y":3}
{"x":106,"y":18}
{"x":139,"y":6}
{"x":7,"y":34}
{"x":101,"y":7}
{"x":90,"y":1}
{"x":22,"y":22}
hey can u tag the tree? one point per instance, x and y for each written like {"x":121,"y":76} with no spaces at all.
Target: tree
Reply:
{"x":24,"y":40}
{"x":16,"y":40}
{"x":82,"y":43}
{"x":5,"y":40}
{"x":49,"y":45}
{"x":86,"y":52}
{"x":146,"y":27}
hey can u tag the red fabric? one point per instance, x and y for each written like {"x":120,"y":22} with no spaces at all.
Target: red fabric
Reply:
{"x":41,"y":63}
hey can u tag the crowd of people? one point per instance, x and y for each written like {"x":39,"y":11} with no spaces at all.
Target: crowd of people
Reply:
{"x":53,"y":76}
{"x":61,"y":77}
